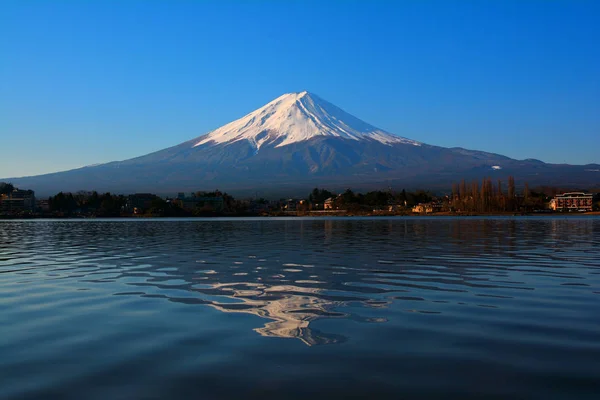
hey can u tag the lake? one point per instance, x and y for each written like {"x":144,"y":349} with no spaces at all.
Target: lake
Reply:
{"x":300,"y":308}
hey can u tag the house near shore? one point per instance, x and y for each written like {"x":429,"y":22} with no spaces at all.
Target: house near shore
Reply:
{"x":17,"y":201}
{"x":572,"y":201}
{"x":328,"y":204}
{"x":427,"y":208}
{"x":423,"y":208}
{"x":290,"y":205}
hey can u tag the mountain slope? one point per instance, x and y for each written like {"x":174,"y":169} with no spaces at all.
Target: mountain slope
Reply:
{"x":296,"y":117}
{"x":294,"y":143}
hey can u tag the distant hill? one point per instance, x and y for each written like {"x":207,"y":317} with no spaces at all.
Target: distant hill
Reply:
{"x":294,"y":143}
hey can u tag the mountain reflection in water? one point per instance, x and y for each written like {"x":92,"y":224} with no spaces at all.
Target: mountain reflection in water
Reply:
{"x":291,"y":307}
{"x":294,"y":272}
{"x":434,"y":306}
{"x":294,"y":295}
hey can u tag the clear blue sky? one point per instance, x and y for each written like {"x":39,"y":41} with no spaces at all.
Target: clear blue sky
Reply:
{"x":90,"y":82}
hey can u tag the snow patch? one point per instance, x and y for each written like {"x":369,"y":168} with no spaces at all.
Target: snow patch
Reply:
{"x":496,"y":167}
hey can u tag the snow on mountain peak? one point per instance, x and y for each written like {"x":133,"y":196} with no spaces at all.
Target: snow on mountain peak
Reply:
{"x":296,"y":117}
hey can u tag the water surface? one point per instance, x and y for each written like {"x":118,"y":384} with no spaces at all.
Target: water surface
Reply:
{"x":297,"y":308}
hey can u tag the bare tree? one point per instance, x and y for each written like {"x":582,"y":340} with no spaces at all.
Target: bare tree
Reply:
{"x":511,"y":193}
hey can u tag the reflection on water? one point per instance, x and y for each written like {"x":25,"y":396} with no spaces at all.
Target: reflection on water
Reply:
{"x":428,"y":292}
{"x":291,"y":308}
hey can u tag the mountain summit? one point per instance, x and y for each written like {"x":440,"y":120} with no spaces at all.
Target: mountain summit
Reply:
{"x":296,"y":117}
{"x":294,"y":143}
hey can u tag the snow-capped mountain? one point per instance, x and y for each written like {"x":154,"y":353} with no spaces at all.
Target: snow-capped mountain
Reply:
{"x":296,"y":117}
{"x":294,"y":143}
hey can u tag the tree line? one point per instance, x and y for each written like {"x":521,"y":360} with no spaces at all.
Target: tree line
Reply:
{"x":354,"y":202}
{"x":489,"y":197}
{"x":115,"y":205}
{"x":485,"y":196}
{"x":105,"y":204}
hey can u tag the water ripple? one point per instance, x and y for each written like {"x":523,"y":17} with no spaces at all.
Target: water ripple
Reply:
{"x":173,"y":304}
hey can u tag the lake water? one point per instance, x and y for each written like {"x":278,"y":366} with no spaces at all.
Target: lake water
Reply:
{"x":300,"y":308}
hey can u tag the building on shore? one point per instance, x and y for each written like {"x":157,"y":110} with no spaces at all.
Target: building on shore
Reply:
{"x":329,"y":204}
{"x":17,"y":201}
{"x":572,"y":201}
{"x":423,"y":208}
{"x":427,"y":208}
{"x":291,"y":205}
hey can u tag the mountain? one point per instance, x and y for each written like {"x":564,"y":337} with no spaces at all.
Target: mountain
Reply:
{"x":297,"y":117}
{"x":294,"y":143}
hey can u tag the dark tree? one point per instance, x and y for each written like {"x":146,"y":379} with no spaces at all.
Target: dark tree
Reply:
{"x":63,"y":202}
{"x":403,"y":199}
{"x":6,"y":188}
{"x":319,"y":195}
{"x":348,"y":197}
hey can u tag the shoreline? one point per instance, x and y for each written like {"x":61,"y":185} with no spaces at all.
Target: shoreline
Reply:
{"x":308,"y":214}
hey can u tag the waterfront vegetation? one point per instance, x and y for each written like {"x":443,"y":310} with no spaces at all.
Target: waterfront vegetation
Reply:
{"x":465,"y":198}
